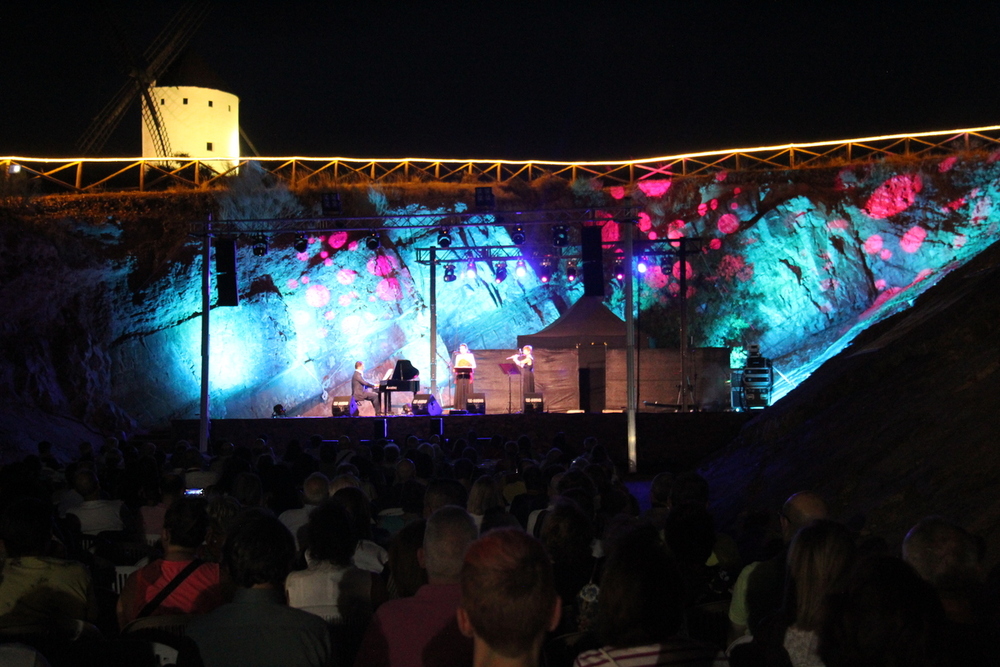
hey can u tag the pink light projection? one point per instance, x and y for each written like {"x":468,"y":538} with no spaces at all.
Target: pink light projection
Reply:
{"x":329,"y":315}
{"x":715,"y":244}
{"x":688,"y":270}
{"x":893,"y":196}
{"x":656,"y":188}
{"x":913,"y":239}
{"x":728,"y":223}
{"x":655,"y":278}
{"x":873,"y":244}
{"x":702,"y":208}
{"x":346,"y":276}
{"x":947,"y":164}
{"x":389,"y":290}
{"x":610,"y":233}
{"x":381,"y":265}
{"x":721,"y":176}
{"x":292,"y":283}
{"x":617,"y":192}
{"x":885,"y":254}
{"x":959,"y":240}
{"x":317,"y":296}
{"x":337,"y":240}
{"x":302,"y":256}
{"x":304,"y":279}
{"x":645,"y":222}
{"x":838,"y":224}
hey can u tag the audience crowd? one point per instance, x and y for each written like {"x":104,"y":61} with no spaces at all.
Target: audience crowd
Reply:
{"x":444,"y":553}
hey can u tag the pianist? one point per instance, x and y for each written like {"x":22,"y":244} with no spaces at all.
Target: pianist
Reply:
{"x":360,"y":386}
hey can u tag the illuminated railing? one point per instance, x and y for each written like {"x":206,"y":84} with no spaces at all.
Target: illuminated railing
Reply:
{"x":88,"y":175}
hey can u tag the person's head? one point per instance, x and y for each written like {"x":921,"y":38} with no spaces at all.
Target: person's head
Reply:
{"x":330,"y":534}
{"x":449,"y":532}
{"x":342,"y":480}
{"x":27,"y":527}
{"x":403,"y":562}
{"x":259,"y":552}
{"x":484,"y":494}
{"x":799,"y":510}
{"x":945,"y":556}
{"x":642,"y":592}
{"x":359,"y":365}
{"x":405,"y":470}
{"x":85,"y":483}
{"x":690,"y":533}
{"x":567,"y":533}
{"x":442,"y":492}
{"x":527,"y":349}
{"x":689,"y":487}
{"x":315,"y":489}
{"x":819,"y":558}
{"x":659,"y":489}
{"x":358,"y":508}
{"x":248,"y":490}
{"x":886,"y":615}
{"x":185,"y":523}
{"x":509,"y":600}
{"x":463,"y":348}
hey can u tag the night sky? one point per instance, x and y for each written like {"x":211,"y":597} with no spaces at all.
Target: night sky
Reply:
{"x":541,"y":80}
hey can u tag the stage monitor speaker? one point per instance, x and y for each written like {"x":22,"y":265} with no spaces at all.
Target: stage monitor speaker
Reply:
{"x":533,"y":403}
{"x":476,"y":405}
{"x":227,"y":292}
{"x":426,"y":404}
{"x":341,"y":406}
{"x":380,"y":428}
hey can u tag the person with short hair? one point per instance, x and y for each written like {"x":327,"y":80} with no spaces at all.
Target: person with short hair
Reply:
{"x":257,"y":628}
{"x":315,"y":490}
{"x":422,"y":631}
{"x":509,"y":601}
{"x":360,"y":387}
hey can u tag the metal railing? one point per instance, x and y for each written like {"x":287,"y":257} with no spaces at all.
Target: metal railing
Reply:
{"x":89,"y":175}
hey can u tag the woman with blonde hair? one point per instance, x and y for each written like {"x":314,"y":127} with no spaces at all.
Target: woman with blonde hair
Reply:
{"x":485,"y":494}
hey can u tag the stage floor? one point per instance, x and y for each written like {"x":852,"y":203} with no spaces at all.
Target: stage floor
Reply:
{"x":671,"y":441}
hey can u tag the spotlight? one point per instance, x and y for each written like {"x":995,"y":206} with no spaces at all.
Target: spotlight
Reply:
{"x":449,"y":273}
{"x":500,"y":273}
{"x":571,"y":270}
{"x":520,"y":270}
{"x":665,"y":265}
{"x":619,"y":271}
{"x":301,"y":243}
{"x":517,"y":236}
{"x":259,"y":245}
{"x":545,"y":271}
{"x":470,"y":270}
{"x":373,"y":241}
{"x":444,"y":239}
{"x":642,"y":265}
{"x":560,"y":235}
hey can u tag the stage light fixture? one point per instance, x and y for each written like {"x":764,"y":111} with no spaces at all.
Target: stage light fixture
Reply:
{"x":560,"y":236}
{"x":545,"y":271}
{"x":520,"y":270}
{"x":259,"y":245}
{"x":517,"y":236}
{"x":301,"y":243}
{"x":470,"y":270}
{"x":500,"y":273}
{"x":619,"y":270}
{"x":449,"y":273}
{"x":571,"y":270}
{"x":444,"y":239}
{"x":665,"y":265}
{"x":374,"y":241}
{"x":642,"y":265}
{"x":330,"y":203}
{"x":485,"y":197}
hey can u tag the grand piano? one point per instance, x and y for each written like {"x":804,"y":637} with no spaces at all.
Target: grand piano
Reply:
{"x":404,"y":378}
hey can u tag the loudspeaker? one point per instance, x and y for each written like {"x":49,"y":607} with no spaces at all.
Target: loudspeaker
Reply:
{"x":593,"y":261}
{"x":226,"y":289}
{"x":341,"y":406}
{"x":476,"y":404}
{"x":426,"y":404}
{"x":533,"y":403}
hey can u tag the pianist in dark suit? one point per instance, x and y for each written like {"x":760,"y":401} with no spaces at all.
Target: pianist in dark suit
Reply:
{"x":359,"y":387}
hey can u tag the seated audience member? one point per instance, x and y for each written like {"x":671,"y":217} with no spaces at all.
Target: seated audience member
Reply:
{"x":405,"y":574}
{"x":96,"y":515}
{"x":257,"y":628}
{"x":441,"y":492}
{"x":151,"y":516}
{"x":947,"y":557}
{"x":422,"y":631}
{"x":315,"y":490}
{"x":198,"y":589}
{"x":508,"y":601}
{"x":534,"y":496}
{"x":758,"y":588}
{"x":567,"y":535}
{"x":331,"y":586}
{"x":485,"y":495}
{"x":640,"y":614}
{"x":819,"y":559}
{"x":36,"y":589}
{"x":886,"y":615}
{"x":223,"y":512}
{"x":368,"y":555}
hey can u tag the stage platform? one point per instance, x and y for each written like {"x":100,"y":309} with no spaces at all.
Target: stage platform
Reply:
{"x":671,"y":441}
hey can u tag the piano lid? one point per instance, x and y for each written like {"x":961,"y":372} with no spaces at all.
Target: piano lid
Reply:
{"x":404,"y":370}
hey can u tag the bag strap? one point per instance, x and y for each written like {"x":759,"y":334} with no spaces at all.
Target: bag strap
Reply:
{"x":170,"y":588}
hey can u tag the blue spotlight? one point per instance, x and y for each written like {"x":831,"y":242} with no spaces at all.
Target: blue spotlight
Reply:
{"x":520,"y":270}
{"x":571,"y":271}
{"x":500,"y":274}
{"x":560,"y":235}
{"x":517,"y":235}
{"x":642,"y":266}
{"x":449,"y":273}
{"x":373,"y":241}
{"x":470,"y":270}
{"x":619,"y":270}
{"x":545,"y":272}
{"x":444,"y":239}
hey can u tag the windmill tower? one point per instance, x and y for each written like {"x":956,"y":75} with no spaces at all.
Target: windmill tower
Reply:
{"x":181,"y":121}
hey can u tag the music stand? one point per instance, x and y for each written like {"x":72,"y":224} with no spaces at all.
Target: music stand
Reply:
{"x":510,"y":370}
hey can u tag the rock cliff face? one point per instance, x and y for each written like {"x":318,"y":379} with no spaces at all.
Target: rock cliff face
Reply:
{"x":101,"y":328}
